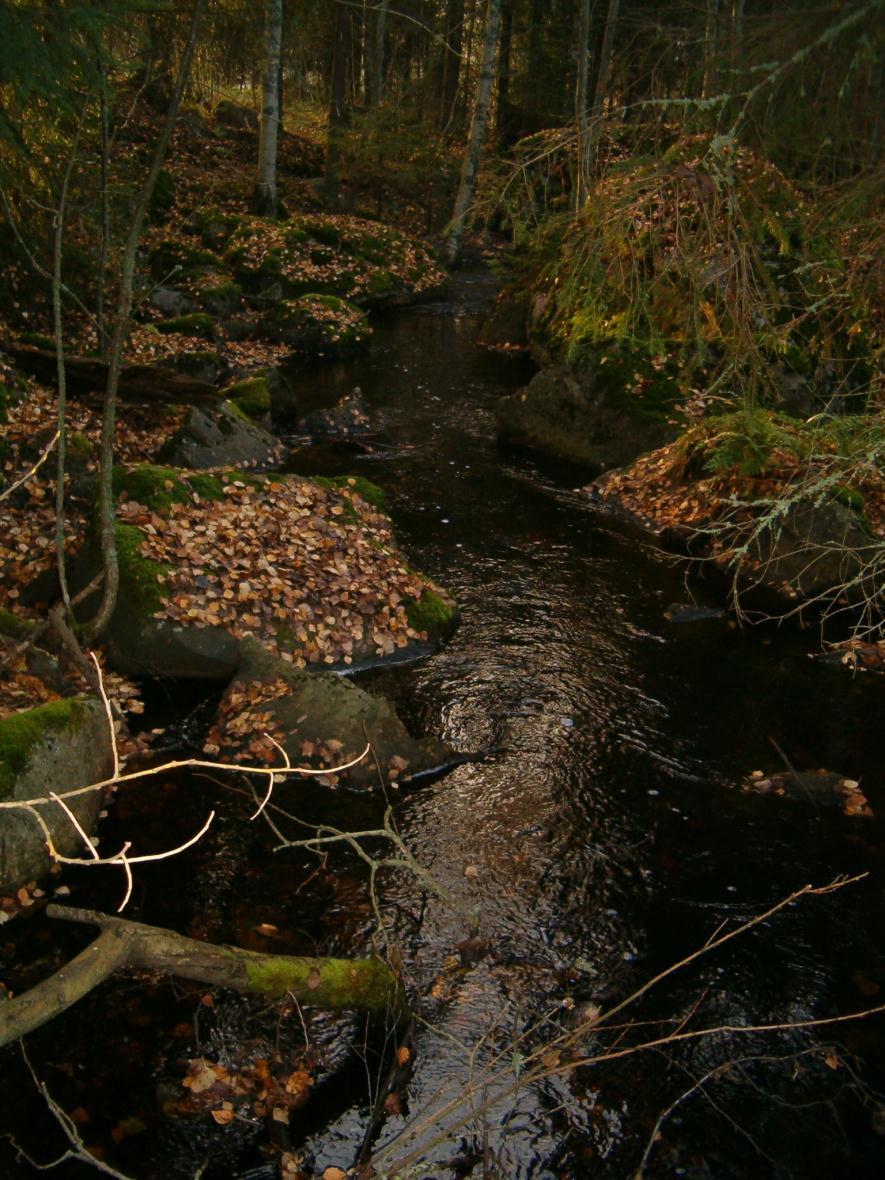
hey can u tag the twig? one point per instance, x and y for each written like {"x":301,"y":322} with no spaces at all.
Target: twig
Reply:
{"x":47,"y":451}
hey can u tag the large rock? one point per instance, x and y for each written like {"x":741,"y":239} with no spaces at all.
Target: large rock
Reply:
{"x":320,"y":720}
{"x":56,"y":747}
{"x":818,"y":550}
{"x":223,"y":437}
{"x":577,"y":419}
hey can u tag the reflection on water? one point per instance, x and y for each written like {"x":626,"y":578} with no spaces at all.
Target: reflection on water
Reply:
{"x":604,"y":839}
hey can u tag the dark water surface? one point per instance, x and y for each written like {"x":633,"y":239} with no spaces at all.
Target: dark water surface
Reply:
{"x":603,"y":841}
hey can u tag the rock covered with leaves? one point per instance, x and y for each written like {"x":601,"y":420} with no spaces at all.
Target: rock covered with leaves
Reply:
{"x":310,"y":569}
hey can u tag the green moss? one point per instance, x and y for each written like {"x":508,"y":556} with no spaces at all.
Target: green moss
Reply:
{"x":207,"y":487}
{"x":158,"y":488}
{"x":233,"y":408}
{"x":13,"y":626}
{"x":251,"y":396}
{"x":20,"y":732}
{"x":79,"y":447}
{"x":175,"y":257}
{"x":330,"y":983}
{"x":219,"y":298}
{"x":37,"y":340}
{"x":141,"y":578}
{"x":383,"y":282}
{"x":368,"y":491}
{"x":431,"y":613}
{"x":197,"y":323}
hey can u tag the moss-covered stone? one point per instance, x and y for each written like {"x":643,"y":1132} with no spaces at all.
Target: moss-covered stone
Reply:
{"x":142,"y":580}
{"x":79,"y":447}
{"x":368,"y":491}
{"x":197,"y":323}
{"x":14,"y":626}
{"x":37,"y":340}
{"x":251,"y":396}
{"x":219,"y":296}
{"x":158,"y":488}
{"x":317,"y":323}
{"x":207,"y":487}
{"x":176,"y":257}
{"x":432,"y":614}
{"x":21,"y":732}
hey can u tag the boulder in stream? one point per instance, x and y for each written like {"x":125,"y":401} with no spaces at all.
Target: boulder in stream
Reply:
{"x":222,"y":437}
{"x":578,"y":419}
{"x":55,"y":747}
{"x":321,"y":720}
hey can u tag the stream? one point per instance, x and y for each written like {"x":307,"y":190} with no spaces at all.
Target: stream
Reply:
{"x":603,"y":839}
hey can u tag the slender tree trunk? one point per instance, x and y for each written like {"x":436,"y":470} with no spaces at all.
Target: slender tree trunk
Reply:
{"x":504,"y":53}
{"x":106,"y":515}
{"x":602,"y":78}
{"x":475,"y":143}
{"x":376,"y":70}
{"x":337,"y":107}
{"x":264,"y":201}
{"x":105,"y":232}
{"x":710,"y":23}
{"x":453,"y":36}
{"x":581,"y":112}
{"x":58,"y":331}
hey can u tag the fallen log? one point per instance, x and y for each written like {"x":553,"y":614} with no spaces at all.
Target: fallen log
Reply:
{"x":141,"y":383}
{"x":122,"y":945}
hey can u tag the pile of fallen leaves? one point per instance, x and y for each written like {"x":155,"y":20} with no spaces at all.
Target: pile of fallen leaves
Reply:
{"x":662,"y":491}
{"x":309,"y":572}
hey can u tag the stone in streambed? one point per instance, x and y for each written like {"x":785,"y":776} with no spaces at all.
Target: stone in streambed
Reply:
{"x":319,"y":719}
{"x":56,"y":747}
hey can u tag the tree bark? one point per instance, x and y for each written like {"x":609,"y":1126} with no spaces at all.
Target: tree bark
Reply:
{"x":106,"y":524}
{"x":602,"y":78}
{"x":368,"y":984}
{"x":264,"y":201}
{"x":375,"y":71}
{"x":453,"y":35}
{"x":337,"y":107}
{"x":581,"y":112}
{"x":504,"y":54}
{"x":475,"y":143}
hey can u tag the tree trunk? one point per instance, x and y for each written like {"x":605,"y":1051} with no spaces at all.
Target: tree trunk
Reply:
{"x":264,"y":201}
{"x":337,"y":107}
{"x":712,"y":17}
{"x":504,"y":53}
{"x":581,"y":112}
{"x":453,"y":36}
{"x":106,"y":514}
{"x":602,"y":78}
{"x":368,"y":984}
{"x":475,"y":143}
{"x":375,"y":73}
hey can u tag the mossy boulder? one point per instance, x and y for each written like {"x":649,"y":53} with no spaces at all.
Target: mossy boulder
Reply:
{"x":174,"y":258}
{"x":358,"y":260}
{"x":252,"y":397}
{"x":317,"y":324}
{"x":56,"y":747}
{"x":323,"y":720}
{"x":218,"y":295}
{"x":434,"y":614}
{"x":197,"y":323}
{"x":204,"y":364}
{"x":235,"y":116}
{"x":580,"y":419}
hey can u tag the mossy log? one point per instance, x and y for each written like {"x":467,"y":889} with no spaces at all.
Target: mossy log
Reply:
{"x":368,"y":984}
{"x":86,"y":374}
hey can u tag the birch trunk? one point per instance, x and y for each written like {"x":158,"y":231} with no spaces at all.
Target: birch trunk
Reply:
{"x":467,"y":185}
{"x":264,"y":200}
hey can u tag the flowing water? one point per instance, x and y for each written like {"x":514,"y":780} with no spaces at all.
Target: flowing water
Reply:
{"x":602,"y":840}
